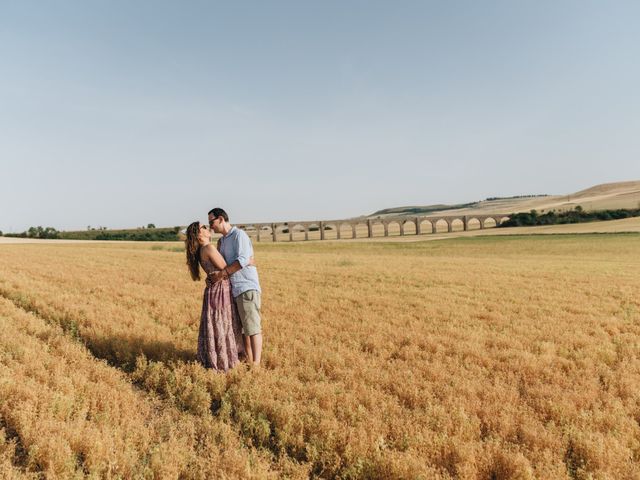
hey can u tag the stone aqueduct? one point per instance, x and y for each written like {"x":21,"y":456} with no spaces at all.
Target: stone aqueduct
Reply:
{"x":274,"y":231}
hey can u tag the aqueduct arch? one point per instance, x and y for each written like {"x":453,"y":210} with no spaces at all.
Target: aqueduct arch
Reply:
{"x":409,"y":227}
{"x":369,"y":227}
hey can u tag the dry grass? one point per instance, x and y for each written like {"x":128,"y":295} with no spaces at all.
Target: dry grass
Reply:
{"x":68,"y":415}
{"x":469,"y":358}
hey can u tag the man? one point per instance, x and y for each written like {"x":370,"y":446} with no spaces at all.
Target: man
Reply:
{"x":236,"y":248}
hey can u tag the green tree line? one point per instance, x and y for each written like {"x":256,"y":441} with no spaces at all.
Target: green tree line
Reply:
{"x":145,"y":234}
{"x":36,"y":232}
{"x":578,"y":215}
{"x":149,"y":234}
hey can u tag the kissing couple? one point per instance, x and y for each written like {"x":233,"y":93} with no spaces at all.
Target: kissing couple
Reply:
{"x":230,"y":328}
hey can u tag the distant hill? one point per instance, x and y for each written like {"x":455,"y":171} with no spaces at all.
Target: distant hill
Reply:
{"x":600,"y":197}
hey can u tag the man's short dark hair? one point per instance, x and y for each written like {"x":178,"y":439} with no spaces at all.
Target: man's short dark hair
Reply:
{"x":218,"y":212}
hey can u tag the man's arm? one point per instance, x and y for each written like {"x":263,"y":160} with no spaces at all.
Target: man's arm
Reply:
{"x":230,"y":270}
{"x":233,"y":268}
{"x":244,"y":250}
{"x":245,"y":258}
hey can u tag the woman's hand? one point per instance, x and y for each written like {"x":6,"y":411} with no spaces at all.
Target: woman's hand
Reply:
{"x":215,"y":277}
{"x":252,"y":261}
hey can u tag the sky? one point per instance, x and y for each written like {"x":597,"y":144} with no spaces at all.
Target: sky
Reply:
{"x":121,"y":113}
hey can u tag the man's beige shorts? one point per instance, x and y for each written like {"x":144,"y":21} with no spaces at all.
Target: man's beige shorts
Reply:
{"x":248,"y":304}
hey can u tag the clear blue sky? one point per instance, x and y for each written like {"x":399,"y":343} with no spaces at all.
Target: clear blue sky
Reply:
{"x":122,"y":113}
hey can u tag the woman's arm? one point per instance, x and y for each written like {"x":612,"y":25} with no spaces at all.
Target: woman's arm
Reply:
{"x":215,"y":257}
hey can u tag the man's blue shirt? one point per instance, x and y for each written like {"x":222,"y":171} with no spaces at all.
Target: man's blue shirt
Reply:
{"x":236,"y":245}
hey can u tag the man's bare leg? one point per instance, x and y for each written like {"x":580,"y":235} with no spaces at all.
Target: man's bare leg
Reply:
{"x":247,"y":348}
{"x":256,"y":348}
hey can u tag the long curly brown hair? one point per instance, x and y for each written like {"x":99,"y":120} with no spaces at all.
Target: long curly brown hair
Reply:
{"x":192,"y":248}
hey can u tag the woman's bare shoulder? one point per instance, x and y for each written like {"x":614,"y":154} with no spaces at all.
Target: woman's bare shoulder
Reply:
{"x":209,"y":250}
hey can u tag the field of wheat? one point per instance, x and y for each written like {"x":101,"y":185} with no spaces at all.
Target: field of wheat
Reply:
{"x":470,"y":358}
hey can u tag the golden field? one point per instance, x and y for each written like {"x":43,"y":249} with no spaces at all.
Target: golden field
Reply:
{"x":474,"y":358}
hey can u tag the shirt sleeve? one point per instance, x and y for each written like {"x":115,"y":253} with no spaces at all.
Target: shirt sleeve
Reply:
{"x":245,"y":251}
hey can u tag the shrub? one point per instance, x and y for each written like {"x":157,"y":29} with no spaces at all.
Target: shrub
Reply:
{"x":578,"y":215}
{"x":39,"y":232}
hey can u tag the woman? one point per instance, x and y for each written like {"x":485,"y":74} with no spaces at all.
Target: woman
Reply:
{"x":220,"y":343}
